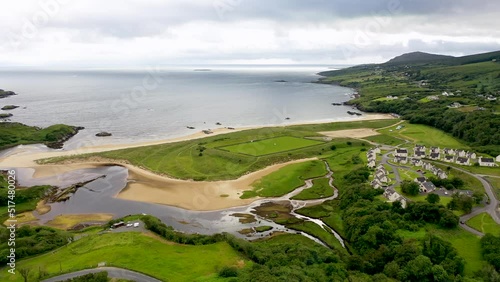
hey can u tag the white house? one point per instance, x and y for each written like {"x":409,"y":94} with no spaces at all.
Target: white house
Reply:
{"x":393,"y":196}
{"x":417,"y":162}
{"x":371,"y":164}
{"x":427,"y":187}
{"x":449,"y":159}
{"x":486,"y":162}
{"x":434,"y":156}
{"x":376,"y":183}
{"x":463,"y":161}
{"x":419,"y":147}
{"x":403,"y":152}
{"x":498,"y":158}
{"x":419,"y":154}
{"x":448,"y":151}
{"x":461,"y":153}
{"x":401,"y":160}
{"x":435,"y":150}
{"x":471,"y":155}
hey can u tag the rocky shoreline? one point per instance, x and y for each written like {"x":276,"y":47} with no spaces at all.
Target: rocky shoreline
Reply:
{"x":60,"y":143}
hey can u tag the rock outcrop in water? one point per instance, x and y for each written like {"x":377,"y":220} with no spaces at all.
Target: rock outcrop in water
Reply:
{"x":103,"y":134}
{"x":5,"y":94}
{"x":60,"y":142}
{"x":9,"y":107}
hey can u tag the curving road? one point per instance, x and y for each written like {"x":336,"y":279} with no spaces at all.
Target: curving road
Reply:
{"x":113,"y":272}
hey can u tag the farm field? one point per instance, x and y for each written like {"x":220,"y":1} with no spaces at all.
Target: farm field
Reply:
{"x":158,"y":258}
{"x":270,"y":146}
{"x":485,"y":224}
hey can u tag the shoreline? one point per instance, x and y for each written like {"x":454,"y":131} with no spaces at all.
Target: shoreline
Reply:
{"x":147,"y":186}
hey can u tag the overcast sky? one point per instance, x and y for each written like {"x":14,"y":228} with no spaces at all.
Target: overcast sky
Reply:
{"x":135,"y":33}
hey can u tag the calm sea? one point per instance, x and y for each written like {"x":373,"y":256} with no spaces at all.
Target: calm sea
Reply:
{"x":156,"y":104}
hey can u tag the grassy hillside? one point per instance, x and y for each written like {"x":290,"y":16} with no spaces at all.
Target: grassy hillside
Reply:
{"x":418,"y":87}
{"x":136,"y":251}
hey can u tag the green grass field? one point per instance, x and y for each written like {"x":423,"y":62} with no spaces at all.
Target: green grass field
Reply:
{"x":385,"y":139}
{"x":320,"y":189}
{"x":286,"y":179}
{"x":270,"y":146}
{"x":318,"y":232}
{"x":485,"y":224}
{"x":495,"y":182}
{"x":426,"y":135}
{"x":132,"y":250}
{"x":200,"y":159}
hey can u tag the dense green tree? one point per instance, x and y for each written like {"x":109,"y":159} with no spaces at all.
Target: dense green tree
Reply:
{"x":410,"y":188}
{"x":433,"y":198}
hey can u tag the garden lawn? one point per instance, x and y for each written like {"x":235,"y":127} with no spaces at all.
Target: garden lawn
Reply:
{"x":271,"y":146}
{"x":484,"y":223}
{"x":135,"y":251}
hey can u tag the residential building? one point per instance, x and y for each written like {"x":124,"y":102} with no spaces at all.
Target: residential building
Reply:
{"x":448,"y":151}
{"x":449,"y":159}
{"x":463,"y":161}
{"x":403,"y":152}
{"x":487,"y":162}
{"x":471,"y":155}
{"x":427,"y":187}
{"x":435,"y":150}
{"x":434,"y":156}
{"x":419,"y":154}
{"x":417,"y":162}
{"x":401,"y":160}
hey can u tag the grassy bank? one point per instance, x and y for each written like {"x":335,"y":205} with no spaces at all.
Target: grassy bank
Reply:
{"x":484,"y":223}
{"x":13,"y":134}
{"x":147,"y":254}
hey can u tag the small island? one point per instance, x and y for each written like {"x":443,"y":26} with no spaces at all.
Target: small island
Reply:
{"x":9,"y":107}
{"x":5,"y":94}
{"x":103,"y":134}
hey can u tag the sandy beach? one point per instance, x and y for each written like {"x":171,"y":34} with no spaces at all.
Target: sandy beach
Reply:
{"x":146,"y":186}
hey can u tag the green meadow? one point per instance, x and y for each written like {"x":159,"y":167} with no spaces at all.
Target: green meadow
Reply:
{"x":320,"y":189}
{"x":286,"y":179}
{"x":484,"y":223}
{"x":426,"y":135}
{"x":156,"y":257}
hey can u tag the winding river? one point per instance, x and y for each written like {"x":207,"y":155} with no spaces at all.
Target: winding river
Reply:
{"x":98,"y":196}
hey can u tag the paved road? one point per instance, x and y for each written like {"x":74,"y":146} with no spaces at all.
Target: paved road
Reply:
{"x":112,"y":272}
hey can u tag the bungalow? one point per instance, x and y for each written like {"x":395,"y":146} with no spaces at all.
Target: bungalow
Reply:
{"x":427,"y":187}
{"x":403,"y":152}
{"x":419,"y":154}
{"x":380,"y":166}
{"x":381,"y":171}
{"x":463,"y":161}
{"x":435,"y":150}
{"x":376,"y":150}
{"x":417,"y":162}
{"x":401,"y":160}
{"x":448,"y":151}
{"x":486,"y":162}
{"x":434,"y":156}
{"x":449,"y":159}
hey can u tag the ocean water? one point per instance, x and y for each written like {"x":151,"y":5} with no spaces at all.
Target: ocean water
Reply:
{"x":144,"y":105}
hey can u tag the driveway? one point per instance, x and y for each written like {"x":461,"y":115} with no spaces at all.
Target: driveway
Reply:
{"x":113,"y":272}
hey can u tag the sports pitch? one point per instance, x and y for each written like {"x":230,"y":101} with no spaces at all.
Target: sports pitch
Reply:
{"x":270,"y":146}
